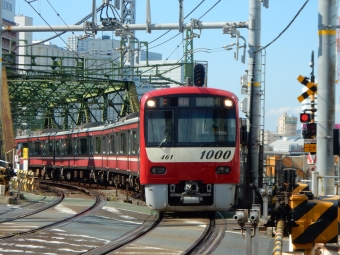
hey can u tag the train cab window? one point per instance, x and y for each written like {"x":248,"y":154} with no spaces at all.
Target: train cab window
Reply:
{"x":68,"y":147}
{"x":104,"y":144}
{"x":112,"y":144}
{"x":123,"y":143}
{"x":83,"y":145}
{"x":37,"y":148}
{"x":57,"y":147}
{"x":209,"y":125}
{"x":160,"y":127}
{"x":135,"y":144}
{"x":98,"y":145}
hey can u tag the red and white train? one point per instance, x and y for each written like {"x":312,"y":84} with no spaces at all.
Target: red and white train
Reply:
{"x":181,"y":150}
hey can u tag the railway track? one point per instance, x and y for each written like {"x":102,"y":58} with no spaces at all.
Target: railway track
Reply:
{"x":210,"y":238}
{"x":99,"y":202}
{"x":51,"y":204}
{"x":204,"y":244}
{"x":128,"y":238}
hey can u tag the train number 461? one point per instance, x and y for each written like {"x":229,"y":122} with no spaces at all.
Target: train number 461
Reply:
{"x":215,"y":154}
{"x":167,"y":156}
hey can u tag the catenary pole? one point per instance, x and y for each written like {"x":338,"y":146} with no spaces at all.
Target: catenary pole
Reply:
{"x":254,"y":76}
{"x":326,"y":92}
{"x":1,"y":78}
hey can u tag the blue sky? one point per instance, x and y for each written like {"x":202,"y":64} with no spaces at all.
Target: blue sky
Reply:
{"x":286,"y":58}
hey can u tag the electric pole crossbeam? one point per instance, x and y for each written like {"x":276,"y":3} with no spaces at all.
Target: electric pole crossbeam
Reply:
{"x":127,"y":27}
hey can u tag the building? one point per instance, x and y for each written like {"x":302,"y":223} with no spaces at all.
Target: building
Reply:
{"x":9,"y":39}
{"x":270,"y":137}
{"x":98,"y":47}
{"x":287,"y":125}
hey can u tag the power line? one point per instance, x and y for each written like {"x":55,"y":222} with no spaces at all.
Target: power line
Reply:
{"x":210,"y":9}
{"x":284,"y":30}
{"x":170,"y":29}
{"x":59,"y":34}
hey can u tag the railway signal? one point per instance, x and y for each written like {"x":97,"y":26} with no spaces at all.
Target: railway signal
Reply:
{"x":305,"y":117}
{"x":199,"y":75}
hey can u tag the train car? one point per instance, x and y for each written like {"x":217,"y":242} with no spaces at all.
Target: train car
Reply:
{"x":181,"y":151}
{"x":189,"y":149}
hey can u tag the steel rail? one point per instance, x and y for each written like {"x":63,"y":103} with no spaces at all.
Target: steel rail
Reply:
{"x":97,"y":205}
{"x":128,"y":238}
{"x":54,"y":202}
{"x":210,"y":238}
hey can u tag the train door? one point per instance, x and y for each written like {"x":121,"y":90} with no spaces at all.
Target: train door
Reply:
{"x":105,"y":152}
{"x":134,"y":152}
{"x":98,"y":152}
{"x":122,"y":159}
{"x":68,"y":152}
{"x":57,"y":152}
{"x":73,"y":161}
{"x":68,"y":173}
{"x":111,"y":151}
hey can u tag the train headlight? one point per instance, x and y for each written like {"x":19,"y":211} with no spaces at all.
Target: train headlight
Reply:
{"x":158,"y":170}
{"x":222,"y":170}
{"x":228,"y":103}
{"x":151,"y":103}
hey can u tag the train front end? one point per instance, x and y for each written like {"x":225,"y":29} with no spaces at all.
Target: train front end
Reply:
{"x":189,"y":149}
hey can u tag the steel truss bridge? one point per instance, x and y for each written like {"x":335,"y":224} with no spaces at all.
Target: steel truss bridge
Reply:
{"x":61,"y":92}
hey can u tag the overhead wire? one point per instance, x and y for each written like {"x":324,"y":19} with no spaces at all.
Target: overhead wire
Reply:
{"x":49,"y":25}
{"x":170,"y":29}
{"x":210,"y":9}
{"x":59,"y":34}
{"x":284,"y":30}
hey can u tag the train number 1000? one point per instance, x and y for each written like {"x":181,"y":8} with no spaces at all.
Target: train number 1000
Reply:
{"x":215,"y":154}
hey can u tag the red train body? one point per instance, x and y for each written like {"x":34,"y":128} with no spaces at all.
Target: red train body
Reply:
{"x":181,"y":149}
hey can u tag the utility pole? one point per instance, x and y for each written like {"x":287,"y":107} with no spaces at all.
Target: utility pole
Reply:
{"x":254,"y":82}
{"x":1,"y":140}
{"x":326,"y":92}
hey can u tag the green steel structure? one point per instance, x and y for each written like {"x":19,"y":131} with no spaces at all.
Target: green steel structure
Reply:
{"x":49,"y":94}
{"x":61,"y":92}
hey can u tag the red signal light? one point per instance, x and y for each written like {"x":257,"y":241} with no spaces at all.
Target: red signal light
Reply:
{"x":304,"y":117}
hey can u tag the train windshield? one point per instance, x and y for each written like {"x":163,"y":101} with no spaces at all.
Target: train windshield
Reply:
{"x":160,"y":127}
{"x":178,"y":122}
{"x":205,"y":126}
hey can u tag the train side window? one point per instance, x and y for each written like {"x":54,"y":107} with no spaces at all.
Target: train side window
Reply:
{"x":123,"y":143}
{"x":135,"y":143}
{"x":104,"y":144}
{"x":83,"y":145}
{"x":57,"y":147}
{"x":98,"y":145}
{"x":112,"y":144}
{"x":75,"y":144}
{"x":62,"y":147}
{"x":30,"y":149}
{"x":68,"y":147}
{"x":44,"y":147}
{"x":37,"y":148}
{"x":50,"y":147}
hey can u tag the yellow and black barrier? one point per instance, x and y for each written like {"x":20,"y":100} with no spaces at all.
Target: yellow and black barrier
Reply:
{"x":4,"y":179}
{"x":24,"y":180}
{"x":317,"y":220}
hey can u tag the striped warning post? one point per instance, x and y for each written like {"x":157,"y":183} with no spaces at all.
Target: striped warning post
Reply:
{"x":317,"y":220}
